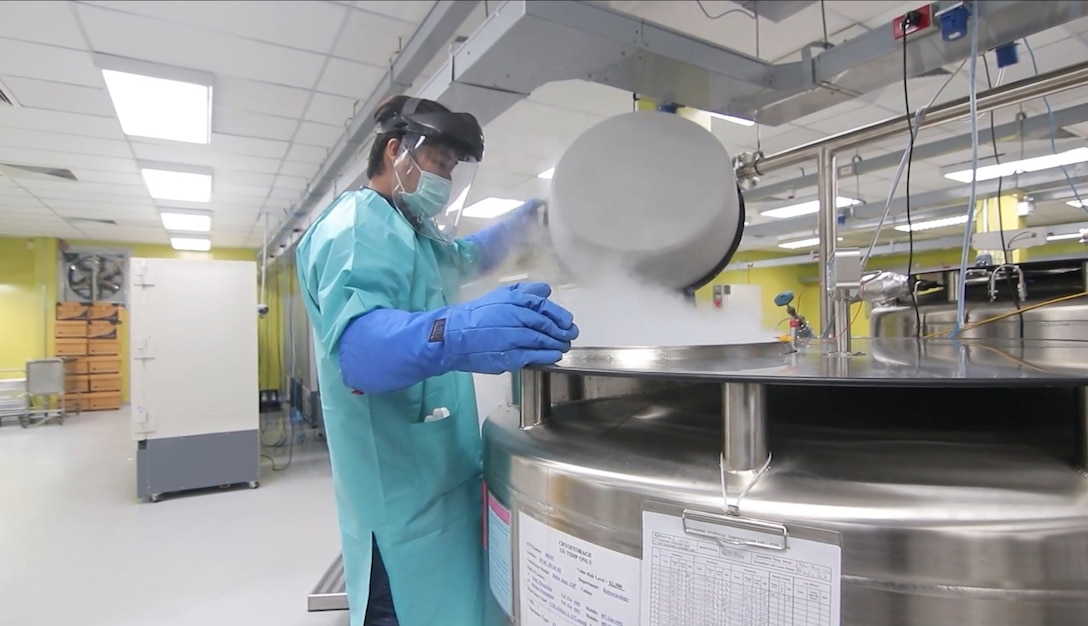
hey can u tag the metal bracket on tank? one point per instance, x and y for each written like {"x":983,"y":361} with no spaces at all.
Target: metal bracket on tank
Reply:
{"x":536,"y":397}
{"x":736,"y":531}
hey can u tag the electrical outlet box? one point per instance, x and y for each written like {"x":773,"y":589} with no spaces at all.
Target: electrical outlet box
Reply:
{"x":913,"y":21}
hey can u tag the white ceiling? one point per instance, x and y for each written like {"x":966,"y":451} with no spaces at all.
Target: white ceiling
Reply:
{"x":289,"y":74}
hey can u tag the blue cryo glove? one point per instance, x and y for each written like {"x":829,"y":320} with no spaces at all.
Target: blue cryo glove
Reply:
{"x":494,"y":242}
{"x":510,"y":328}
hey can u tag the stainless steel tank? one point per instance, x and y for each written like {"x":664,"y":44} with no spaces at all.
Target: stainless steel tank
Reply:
{"x":1032,"y":300}
{"x":932,"y":483}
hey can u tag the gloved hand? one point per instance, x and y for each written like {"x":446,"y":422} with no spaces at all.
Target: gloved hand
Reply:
{"x":510,"y":328}
{"x":506,"y":330}
{"x":493,"y":243}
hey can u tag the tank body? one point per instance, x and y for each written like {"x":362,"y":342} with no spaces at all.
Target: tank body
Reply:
{"x":952,"y":507}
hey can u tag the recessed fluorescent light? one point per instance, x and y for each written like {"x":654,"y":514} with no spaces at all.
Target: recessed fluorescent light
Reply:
{"x":801,"y":243}
{"x":490,"y":207}
{"x":547,"y":174}
{"x":1076,"y":204}
{"x":186,"y":221}
{"x":179,"y":186}
{"x":931,"y":224}
{"x":807,"y":208}
{"x":733,"y":119}
{"x":1000,"y":170}
{"x":159,"y":108}
{"x":1063,"y":237}
{"x":191,"y":244}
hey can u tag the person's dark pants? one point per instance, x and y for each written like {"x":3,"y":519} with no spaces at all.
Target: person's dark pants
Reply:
{"x":379,"y":610}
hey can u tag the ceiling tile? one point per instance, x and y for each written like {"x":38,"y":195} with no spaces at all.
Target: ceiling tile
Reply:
{"x":299,"y":168}
{"x":168,"y":43}
{"x":51,"y":23}
{"x":60,"y":122}
{"x":372,"y":38}
{"x":233,"y":189}
{"x":249,"y":146}
{"x":314,"y":134}
{"x":290,"y":182}
{"x":258,"y":125}
{"x":292,"y":23}
{"x":333,"y":110}
{"x":239,"y":94}
{"x":350,"y":79}
{"x":18,"y":138}
{"x":1049,"y":58}
{"x":41,"y":94}
{"x":407,"y":10}
{"x":62,"y":65}
{"x":289,"y":196}
{"x":24,"y":156}
{"x":114,"y":178}
{"x":69,"y":199}
{"x":308,"y":154}
{"x":192,"y":154}
{"x":245,"y":178}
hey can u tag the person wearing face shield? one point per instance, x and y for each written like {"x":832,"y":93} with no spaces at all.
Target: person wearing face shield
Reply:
{"x":379,"y":272}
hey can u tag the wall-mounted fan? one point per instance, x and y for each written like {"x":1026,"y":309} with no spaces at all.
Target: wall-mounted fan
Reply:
{"x":93,"y":276}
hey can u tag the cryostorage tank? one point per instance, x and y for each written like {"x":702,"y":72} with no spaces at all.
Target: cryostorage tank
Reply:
{"x":937,"y":483}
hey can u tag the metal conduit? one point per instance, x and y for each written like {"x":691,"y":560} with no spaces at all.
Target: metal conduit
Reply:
{"x":824,"y":151}
{"x":1006,"y":95}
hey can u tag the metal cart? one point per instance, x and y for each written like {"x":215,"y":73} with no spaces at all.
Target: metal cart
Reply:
{"x":12,"y":395}
{"x":35,"y":395}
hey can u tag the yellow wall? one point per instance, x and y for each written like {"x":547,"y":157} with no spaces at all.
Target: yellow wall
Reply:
{"x":802,"y":280}
{"x":28,"y":293}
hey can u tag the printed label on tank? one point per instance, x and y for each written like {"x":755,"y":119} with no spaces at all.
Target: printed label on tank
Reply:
{"x":695,"y":580}
{"x":564,"y":581}
{"x":498,"y":554}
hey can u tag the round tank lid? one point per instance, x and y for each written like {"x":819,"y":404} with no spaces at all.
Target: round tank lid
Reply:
{"x":877,"y":362}
{"x":638,"y":187}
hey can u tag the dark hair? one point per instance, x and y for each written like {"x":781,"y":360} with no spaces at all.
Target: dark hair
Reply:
{"x":385,"y":112}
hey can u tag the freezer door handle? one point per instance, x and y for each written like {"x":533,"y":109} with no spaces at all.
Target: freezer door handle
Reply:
{"x":143,"y":350}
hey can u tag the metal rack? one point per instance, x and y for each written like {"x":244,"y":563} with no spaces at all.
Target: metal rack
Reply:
{"x":331,"y":593}
{"x":29,"y":394}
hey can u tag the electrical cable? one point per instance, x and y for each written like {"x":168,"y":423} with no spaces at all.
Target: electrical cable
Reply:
{"x":1053,"y":127}
{"x":1005,"y":251}
{"x":823,"y":18}
{"x":910,"y":224}
{"x":290,"y":447}
{"x":961,"y":288}
{"x":919,"y":116}
{"x":721,"y":15}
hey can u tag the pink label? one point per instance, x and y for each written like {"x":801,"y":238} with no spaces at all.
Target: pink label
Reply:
{"x":502,"y":512}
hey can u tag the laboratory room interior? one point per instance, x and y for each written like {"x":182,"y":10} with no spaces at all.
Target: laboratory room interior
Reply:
{"x":628,"y":313}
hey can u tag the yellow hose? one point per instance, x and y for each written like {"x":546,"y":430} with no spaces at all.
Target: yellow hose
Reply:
{"x":1009,"y":314}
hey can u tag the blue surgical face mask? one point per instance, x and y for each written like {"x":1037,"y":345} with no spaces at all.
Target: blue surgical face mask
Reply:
{"x":431,"y":196}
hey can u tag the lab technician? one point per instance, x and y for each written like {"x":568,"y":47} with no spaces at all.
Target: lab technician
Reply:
{"x":379,"y":272}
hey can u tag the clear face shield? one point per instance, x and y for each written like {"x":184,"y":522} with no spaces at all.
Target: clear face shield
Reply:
{"x":433,"y":184}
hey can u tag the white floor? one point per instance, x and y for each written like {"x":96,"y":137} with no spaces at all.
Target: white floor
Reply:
{"x":78,"y":548}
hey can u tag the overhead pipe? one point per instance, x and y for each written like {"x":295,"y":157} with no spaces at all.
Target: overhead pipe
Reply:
{"x":824,"y":150}
{"x":1006,"y":95}
{"x":882,"y":250}
{"x":1027,"y":127}
{"x":438,"y":27}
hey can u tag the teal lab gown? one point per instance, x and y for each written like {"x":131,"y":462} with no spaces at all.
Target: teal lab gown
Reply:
{"x":415,"y":485}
